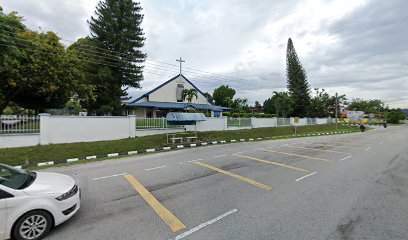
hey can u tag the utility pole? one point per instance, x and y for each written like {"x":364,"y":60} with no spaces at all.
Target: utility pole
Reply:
{"x":180,"y":61}
{"x":337,"y":126}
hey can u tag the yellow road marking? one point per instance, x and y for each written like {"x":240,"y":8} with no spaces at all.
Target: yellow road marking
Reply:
{"x":172,"y":221}
{"x":274,"y":163}
{"x":247,"y":180}
{"x":320,"y":150}
{"x":331,"y":145}
{"x":298,"y":155}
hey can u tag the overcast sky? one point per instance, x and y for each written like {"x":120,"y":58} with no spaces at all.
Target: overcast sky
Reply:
{"x":355,"y":47}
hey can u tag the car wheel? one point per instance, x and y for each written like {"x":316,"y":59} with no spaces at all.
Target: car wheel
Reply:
{"x":33,"y":225}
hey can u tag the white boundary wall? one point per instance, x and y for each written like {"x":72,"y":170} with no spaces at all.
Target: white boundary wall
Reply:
{"x":19,"y":140}
{"x":211,"y":124}
{"x":322,"y":121}
{"x":69,"y":129}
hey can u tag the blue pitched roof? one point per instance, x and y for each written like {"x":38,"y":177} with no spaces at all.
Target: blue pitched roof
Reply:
{"x":163,"y":84}
{"x":180,"y":117}
{"x":178,"y":105}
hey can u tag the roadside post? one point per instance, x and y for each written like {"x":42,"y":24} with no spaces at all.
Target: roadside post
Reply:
{"x":296,"y":120}
{"x":337,"y":126}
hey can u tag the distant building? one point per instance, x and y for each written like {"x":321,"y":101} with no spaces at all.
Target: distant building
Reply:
{"x":168,"y":98}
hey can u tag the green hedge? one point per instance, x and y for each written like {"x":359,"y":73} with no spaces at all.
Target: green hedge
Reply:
{"x":248,"y":115}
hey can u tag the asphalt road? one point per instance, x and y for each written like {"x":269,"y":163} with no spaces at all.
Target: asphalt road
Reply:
{"x":352,"y":186}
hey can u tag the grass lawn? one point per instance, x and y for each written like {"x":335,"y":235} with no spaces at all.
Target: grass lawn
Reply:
{"x":45,"y":153}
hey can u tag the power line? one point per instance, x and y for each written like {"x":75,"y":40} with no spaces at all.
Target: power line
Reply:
{"x":117,"y":61}
{"x":155,"y":66}
{"x":116,"y":52}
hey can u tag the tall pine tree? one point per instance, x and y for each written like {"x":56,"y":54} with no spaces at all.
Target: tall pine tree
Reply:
{"x":298,"y":85}
{"x":117,"y":29}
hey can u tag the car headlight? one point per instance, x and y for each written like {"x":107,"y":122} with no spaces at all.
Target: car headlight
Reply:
{"x":68,"y":194}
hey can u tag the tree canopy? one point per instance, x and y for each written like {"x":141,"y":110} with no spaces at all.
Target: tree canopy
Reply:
{"x":298,"y":85}
{"x":367,"y":106}
{"x":189,"y":94}
{"x":280,"y":104}
{"x":36,"y":72}
{"x":223,"y":96}
{"x":116,"y":28}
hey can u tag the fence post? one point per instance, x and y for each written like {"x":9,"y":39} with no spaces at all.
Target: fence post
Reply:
{"x":44,"y":128}
{"x":132,"y":126}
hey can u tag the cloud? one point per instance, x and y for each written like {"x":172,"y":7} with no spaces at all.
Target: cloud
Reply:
{"x":354,"y":47}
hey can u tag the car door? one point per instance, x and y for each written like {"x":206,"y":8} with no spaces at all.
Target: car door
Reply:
{"x":3,"y":211}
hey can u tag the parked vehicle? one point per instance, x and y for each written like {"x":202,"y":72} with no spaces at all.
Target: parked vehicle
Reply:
{"x":31,"y":203}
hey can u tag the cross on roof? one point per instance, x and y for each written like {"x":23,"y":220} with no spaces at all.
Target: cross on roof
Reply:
{"x":180,"y":61}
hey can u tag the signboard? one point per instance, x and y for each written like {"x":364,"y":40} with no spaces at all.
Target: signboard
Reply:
{"x":355,"y":115}
{"x":364,"y":120}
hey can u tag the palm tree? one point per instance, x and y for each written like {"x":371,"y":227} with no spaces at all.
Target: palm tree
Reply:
{"x":189,"y":94}
{"x":282,"y":103}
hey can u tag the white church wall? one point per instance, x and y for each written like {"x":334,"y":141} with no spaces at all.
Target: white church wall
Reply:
{"x":167,"y":93}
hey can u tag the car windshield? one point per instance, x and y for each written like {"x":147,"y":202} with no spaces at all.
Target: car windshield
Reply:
{"x":14,"y":178}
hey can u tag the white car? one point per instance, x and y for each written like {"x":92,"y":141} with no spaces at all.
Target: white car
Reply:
{"x":31,"y":203}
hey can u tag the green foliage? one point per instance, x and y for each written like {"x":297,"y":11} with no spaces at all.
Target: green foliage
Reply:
{"x":117,"y":29}
{"x":35,"y":70}
{"x":258,"y":106}
{"x":298,"y":85}
{"x":240,"y":104}
{"x":10,"y":54}
{"x":324,"y":105}
{"x":189,"y":94}
{"x":52,"y":152}
{"x":395,"y":115}
{"x":367,"y":106}
{"x":209,"y":97}
{"x":247,"y":115}
{"x":48,"y":73}
{"x":280,"y":104}
{"x":223,"y":96}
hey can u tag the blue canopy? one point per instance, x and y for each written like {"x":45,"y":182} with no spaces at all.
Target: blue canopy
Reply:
{"x":177,"y":117}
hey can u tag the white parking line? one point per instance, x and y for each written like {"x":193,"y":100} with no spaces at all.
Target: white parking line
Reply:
{"x":196,"y":160}
{"x":345,"y":158}
{"x":308,"y":175}
{"x":203,"y":225}
{"x":367,"y":149}
{"x":148,"y":169}
{"x":116,"y":175}
{"x":218,"y":156}
{"x":190,"y":161}
{"x":237,"y":153}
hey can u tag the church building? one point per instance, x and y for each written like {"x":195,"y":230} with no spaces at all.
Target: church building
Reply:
{"x":168,"y":97}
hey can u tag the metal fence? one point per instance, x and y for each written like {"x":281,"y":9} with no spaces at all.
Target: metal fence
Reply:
{"x":311,"y":121}
{"x":12,"y":124}
{"x":146,"y":123}
{"x":283,"y":121}
{"x":238,"y":122}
